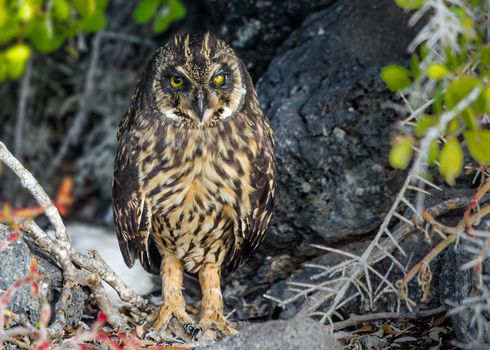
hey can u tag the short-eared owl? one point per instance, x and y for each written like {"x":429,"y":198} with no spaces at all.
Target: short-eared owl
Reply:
{"x":194,"y":177}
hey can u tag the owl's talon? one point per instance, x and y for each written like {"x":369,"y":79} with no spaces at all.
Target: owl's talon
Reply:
{"x":193,"y":331}
{"x":217,"y":322}
{"x":189,"y":328}
{"x":162,"y":316}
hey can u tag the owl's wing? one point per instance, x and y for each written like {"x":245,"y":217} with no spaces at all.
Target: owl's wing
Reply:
{"x":254,"y":225}
{"x":132,"y":215}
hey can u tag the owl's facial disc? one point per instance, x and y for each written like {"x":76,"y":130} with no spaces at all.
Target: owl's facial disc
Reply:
{"x":211,"y":97}
{"x":198,"y":82}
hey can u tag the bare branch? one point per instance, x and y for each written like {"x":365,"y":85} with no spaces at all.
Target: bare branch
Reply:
{"x":21,"y":109}
{"x":356,"y":319}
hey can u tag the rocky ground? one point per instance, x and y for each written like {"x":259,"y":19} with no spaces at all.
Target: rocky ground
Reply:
{"x":316,"y":65}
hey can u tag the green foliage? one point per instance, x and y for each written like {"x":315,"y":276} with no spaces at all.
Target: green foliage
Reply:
{"x":455,"y":66}
{"x":45,"y":25}
{"x":436,"y":71}
{"x":410,"y":4}
{"x":423,"y":124}
{"x":162,"y":12}
{"x":478,"y":142}
{"x":145,"y":10}
{"x":451,"y":160}
{"x":401,"y":152}
{"x":15,"y":59}
{"x":396,"y":77}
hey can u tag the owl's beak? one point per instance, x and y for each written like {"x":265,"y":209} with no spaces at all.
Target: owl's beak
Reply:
{"x":200,"y":104}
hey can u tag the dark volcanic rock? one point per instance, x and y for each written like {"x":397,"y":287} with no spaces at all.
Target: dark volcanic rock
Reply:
{"x":15,"y":261}
{"x":457,"y":284}
{"x":329,"y":111}
{"x":285,"y":335}
{"x":256,"y":28}
{"x":327,"y":106}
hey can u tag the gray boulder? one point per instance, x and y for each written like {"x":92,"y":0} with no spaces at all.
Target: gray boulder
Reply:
{"x":285,"y":335}
{"x":332,"y":122}
{"x":15,"y":264}
{"x":257,"y":28}
{"x":330,"y":114}
{"x":458,"y":286}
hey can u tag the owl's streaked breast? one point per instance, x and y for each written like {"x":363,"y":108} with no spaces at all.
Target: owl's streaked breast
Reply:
{"x":199,"y":190}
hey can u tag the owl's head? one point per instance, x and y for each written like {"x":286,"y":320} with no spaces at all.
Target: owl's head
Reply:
{"x":197,"y":81}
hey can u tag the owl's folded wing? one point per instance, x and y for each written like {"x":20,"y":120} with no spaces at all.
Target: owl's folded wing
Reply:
{"x":132,"y":215}
{"x":254,"y":225}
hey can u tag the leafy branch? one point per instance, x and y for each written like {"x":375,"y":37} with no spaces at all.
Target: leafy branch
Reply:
{"x":45,"y":25}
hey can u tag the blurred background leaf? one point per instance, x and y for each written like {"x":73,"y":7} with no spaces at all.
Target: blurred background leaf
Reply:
{"x":443,"y":73}
{"x":44,"y":26}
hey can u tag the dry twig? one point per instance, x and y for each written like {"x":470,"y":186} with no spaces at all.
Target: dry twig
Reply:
{"x":355,"y":319}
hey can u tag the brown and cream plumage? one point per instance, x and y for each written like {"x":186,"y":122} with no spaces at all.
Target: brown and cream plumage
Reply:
{"x":194,"y":176}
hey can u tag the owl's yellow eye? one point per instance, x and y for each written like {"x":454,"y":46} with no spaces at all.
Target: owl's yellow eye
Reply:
{"x":176,"y":82}
{"x":219,"y":80}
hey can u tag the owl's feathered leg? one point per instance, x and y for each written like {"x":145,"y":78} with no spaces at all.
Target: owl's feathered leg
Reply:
{"x":171,"y":271}
{"x":212,"y":301}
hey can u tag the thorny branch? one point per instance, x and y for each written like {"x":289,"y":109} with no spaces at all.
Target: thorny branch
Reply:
{"x":322,"y":293}
{"x":355,"y":319}
{"x":385,"y":242}
{"x":453,"y":234}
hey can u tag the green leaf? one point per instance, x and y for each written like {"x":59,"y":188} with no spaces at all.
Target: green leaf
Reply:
{"x":61,"y":10}
{"x":71,"y":28}
{"x":410,"y":4}
{"x":396,"y":77}
{"x":26,"y":11}
{"x":16,"y":57}
{"x":468,"y":26}
{"x":451,"y":160}
{"x":459,"y":89}
{"x":3,"y":13}
{"x":9,"y":30}
{"x":3,"y":70}
{"x":486,"y":96}
{"x":101,"y":5}
{"x":161,"y":22}
{"x":401,"y":152}
{"x":437,"y":71}
{"x":484,"y":53}
{"x":424,"y":51}
{"x":478,"y":142}
{"x":85,"y":7}
{"x":177,"y":9}
{"x":433,"y":152}
{"x":415,"y":66}
{"x":470,"y":120}
{"x":93,"y":23}
{"x":452,"y":127}
{"x":145,"y":10}
{"x":423,"y":124}
{"x":43,"y":38}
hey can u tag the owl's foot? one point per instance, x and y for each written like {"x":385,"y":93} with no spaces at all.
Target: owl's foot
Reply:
{"x":160,"y":318}
{"x":212,"y":317}
{"x":216,"y":321}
